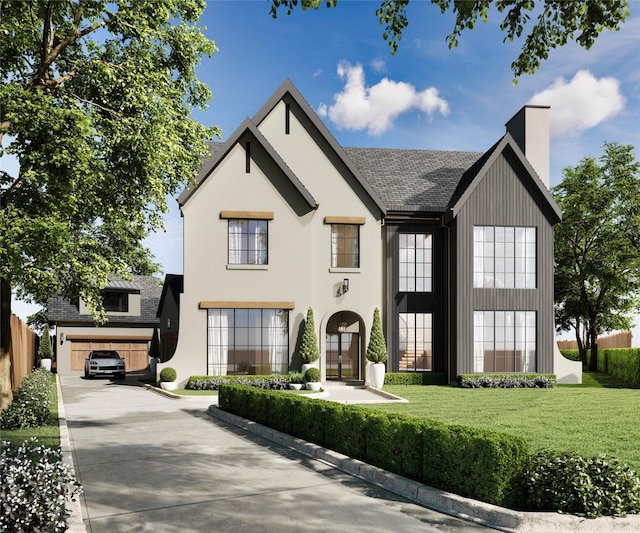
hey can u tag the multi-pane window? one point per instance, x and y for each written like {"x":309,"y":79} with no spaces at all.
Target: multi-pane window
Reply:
{"x":504,"y":257}
{"x":504,"y":341}
{"x":415,"y":350}
{"x":345,"y":246}
{"x":415,"y":260}
{"x":115,"y":301}
{"x":248,"y":241}
{"x":247,"y":341}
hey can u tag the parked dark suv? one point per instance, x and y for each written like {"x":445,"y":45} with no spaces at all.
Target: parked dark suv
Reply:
{"x":103,"y":362}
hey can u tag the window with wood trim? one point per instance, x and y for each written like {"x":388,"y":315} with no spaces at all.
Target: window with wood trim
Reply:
{"x":345,"y":246}
{"x":248,"y":241}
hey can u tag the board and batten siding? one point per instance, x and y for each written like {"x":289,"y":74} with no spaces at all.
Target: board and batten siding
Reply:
{"x":506,"y":196}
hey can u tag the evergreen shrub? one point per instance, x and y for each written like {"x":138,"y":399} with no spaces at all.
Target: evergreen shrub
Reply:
{"x":30,"y":406}
{"x":309,"y":352}
{"x":624,"y":364}
{"x":274,"y":382}
{"x":168,"y":374}
{"x":415,"y":378}
{"x":507,"y":381}
{"x":377,"y":348}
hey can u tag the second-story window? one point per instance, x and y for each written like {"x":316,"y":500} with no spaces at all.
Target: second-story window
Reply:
{"x":415,"y":260}
{"x":248,"y":242}
{"x":345,"y":246}
{"x":115,"y":301}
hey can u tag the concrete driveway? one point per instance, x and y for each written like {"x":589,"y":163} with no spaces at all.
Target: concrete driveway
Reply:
{"x":151,"y":463}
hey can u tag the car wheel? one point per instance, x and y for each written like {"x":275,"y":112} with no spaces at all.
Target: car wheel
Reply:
{"x":86,"y":374}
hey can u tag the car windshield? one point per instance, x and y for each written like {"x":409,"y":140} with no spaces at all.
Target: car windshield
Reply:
{"x":104,"y":355}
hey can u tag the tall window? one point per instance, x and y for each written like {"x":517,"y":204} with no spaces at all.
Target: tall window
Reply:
{"x":115,"y":301}
{"x":415,"y":260}
{"x":248,"y":242}
{"x":247,"y":341}
{"x":504,"y":257}
{"x":504,"y":341}
{"x":415,"y":331}
{"x":345,"y":246}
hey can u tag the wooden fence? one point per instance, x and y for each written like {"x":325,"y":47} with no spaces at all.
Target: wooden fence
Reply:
{"x":617,"y":340}
{"x":23,"y":351}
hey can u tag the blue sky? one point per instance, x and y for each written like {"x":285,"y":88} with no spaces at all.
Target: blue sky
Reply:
{"x":425,"y":96}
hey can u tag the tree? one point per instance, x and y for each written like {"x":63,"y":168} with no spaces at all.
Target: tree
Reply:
{"x":97,"y":97}
{"x":377,"y":348}
{"x":309,"y":352}
{"x":597,"y":246}
{"x":557,"y":22}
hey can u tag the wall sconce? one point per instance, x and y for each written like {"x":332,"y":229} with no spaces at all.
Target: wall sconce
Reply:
{"x":345,"y":285}
{"x":61,"y":339}
{"x":169,"y":323}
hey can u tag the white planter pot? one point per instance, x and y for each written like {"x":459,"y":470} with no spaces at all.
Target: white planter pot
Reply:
{"x":295,"y":386}
{"x":169,"y":385}
{"x":46,"y":363}
{"x":313,"y":385}
{"x":377,"y":375}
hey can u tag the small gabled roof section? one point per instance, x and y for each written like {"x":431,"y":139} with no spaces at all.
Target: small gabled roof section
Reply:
{"x":220,"y":150}
{"x":173,"y":284}
{"x":474,"y":175}
{"x":289,"y":88}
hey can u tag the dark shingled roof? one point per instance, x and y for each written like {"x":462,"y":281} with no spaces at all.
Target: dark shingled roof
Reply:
{"x":413,"y":180}
{"x":149,"y":288}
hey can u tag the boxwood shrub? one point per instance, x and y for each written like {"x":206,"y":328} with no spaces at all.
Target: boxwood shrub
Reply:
{"x":415,"y":378}
{"x":571,"y":483}
{"x":624,"y":364}
{"x":30,"y":406}
{"x":507,"y":381}
{"x":274,"y":382}
{"x":476,"y":463}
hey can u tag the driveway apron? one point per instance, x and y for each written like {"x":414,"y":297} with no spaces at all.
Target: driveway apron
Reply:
{"x":151,"y":463}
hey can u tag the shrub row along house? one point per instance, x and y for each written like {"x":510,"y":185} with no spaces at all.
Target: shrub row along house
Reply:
{"x":455,"y":248}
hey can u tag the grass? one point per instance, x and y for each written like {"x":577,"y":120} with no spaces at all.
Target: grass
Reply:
{"x":47,"y":435}
{"x":599,"y":416}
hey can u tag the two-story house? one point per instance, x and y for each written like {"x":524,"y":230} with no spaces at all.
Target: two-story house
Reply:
{"x":455,"y":248}
{"x":131,"y":308}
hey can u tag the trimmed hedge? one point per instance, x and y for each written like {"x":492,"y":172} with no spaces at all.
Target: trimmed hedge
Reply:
{"x":507,"y":381}
{"x":415,"y":378}
{"x":624,"y":364}
{"x":572,"y":355}
{"x":274,"y":382}
{"x":445,"y":457}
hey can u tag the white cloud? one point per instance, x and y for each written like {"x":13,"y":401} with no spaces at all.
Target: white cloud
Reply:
{"x":378,"y":65}
{"x":317,"y":73}
{"x":375,"y":108}
{"x":580,"y":104}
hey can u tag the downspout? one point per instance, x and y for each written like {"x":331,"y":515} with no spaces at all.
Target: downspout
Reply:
{"x":444,"y":225}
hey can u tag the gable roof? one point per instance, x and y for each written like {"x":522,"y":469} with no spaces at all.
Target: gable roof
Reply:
{"x":288,"y":88}
{"x":62,"y":310}
{"x":473,"y":176}
{"x":218,"y":151}
{"x":413,"y":180}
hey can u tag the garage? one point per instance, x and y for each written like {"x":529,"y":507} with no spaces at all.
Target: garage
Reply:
{"x":133,"y":350}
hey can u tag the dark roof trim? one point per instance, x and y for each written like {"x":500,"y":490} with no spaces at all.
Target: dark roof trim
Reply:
{"x":173,"y":283}
{"x":288,"y":87}
{"x":486,"y":163}
{"x":210,"y":164}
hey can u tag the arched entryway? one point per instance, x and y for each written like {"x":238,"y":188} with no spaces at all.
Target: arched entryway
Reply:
{"x":343,"y":347}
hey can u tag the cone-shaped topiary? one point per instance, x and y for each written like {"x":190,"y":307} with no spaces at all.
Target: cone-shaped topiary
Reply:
{"x":309,"y":347}
{"x":377,"y":349}
{"x":45,"y":350}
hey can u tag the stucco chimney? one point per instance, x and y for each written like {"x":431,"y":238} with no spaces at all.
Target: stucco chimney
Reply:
{"x":530,"y":129}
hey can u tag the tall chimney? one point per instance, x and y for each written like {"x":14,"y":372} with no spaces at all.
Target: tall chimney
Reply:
{"x":529,"y":127}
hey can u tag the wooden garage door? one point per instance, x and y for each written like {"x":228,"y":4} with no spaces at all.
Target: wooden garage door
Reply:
{"x":135,"y":353}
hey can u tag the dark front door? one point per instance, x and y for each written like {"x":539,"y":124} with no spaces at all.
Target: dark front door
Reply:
{"x":343,"y":356}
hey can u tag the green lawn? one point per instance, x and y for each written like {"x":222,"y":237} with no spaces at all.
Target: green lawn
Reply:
{"x":48,"y":435}
{"x":596,"y":417}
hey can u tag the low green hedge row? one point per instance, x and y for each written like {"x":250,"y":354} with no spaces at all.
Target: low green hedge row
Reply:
{"x":275,"y":382}
{"x":30,"y":406}
{"x":624,"y":364}
{"x":415,"y":378}
{"x":507,"y":381}
{"x":439,"y":455}
{"x":572,"y":355}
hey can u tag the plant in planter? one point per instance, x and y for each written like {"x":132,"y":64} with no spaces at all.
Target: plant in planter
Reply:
{"x":309,"y":352}
{"x":296,"y":379}
{"x":377,"y":351}
{"x":312,"y":378}
{"x":168,"y":377}
{"x":45,"y":350}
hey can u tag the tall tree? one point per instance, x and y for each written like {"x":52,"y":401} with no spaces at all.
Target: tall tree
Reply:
{"x":97,"y":99}
{"x":557,"y":21}
{"x":597,"y":246}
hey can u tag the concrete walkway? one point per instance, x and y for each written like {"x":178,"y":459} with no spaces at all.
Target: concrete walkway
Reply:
{"x":150,"y":462}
